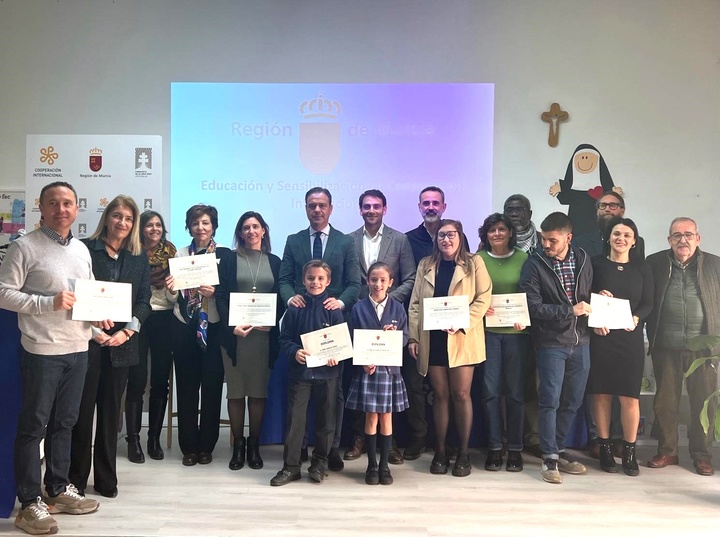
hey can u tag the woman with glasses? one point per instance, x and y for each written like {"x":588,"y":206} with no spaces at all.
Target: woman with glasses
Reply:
{"x":448,"y":355}
{"x":506,"y":347}
{"x":617,"y":357}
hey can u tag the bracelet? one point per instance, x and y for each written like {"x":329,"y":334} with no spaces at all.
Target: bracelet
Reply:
{"x":127,"y":333}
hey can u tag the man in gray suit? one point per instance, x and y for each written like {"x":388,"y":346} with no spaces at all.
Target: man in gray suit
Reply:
{"x":375,"y":241}
{"x":322,"y":241}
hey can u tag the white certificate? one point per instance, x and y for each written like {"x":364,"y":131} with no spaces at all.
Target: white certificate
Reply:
{"x":443,"y":312}
{"x":97,"y":300}
{"x":253,"y":309}
{"x":194,"y":270}
{"x":378,"y":347}
{"x":611,"y":313}
{"x":331,"y":343}
{"x":509,"y":309}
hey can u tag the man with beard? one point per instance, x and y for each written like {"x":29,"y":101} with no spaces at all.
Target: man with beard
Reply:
{"x":375,"y":241}
{"x":610,"y":205}
{"x":517,"y":209}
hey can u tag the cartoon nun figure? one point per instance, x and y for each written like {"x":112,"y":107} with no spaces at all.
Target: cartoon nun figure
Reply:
{"x":586,"y":178}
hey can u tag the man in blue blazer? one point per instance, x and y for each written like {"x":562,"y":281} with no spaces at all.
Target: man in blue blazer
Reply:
{"x":375,"y":241}
{"x":322,"y":241}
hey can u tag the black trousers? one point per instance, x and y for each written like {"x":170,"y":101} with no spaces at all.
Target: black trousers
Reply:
{"x":155,"y":336}
{"x":324,"y":393}
{"x":104,"y":387}
{"x":199,"y":377}
{"x":414,"y":384}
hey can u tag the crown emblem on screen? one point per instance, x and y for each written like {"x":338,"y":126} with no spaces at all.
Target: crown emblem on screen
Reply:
{"x":96,"y":151}
{"x":320,"y":107}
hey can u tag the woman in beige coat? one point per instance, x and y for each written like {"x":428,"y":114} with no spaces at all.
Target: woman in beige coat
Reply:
{"x":448,"y":356}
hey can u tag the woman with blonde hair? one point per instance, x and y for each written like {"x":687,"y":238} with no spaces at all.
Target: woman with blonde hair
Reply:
{"x":117,"y":256}
{"x":448,"y":355}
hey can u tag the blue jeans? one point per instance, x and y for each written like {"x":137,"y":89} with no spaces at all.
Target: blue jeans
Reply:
{"x":52,"y":388}
{"x":563,"y":373}
{"x":505,"y":375}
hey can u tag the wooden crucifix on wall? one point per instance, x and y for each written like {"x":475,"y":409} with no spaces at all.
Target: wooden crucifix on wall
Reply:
{"x":554,"y":117}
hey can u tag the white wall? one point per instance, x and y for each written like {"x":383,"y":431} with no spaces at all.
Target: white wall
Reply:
{"x":640,"y":78}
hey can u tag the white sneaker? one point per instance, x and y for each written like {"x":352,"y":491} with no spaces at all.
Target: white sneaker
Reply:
{"x":35,"y":519}
{"x":570,"y":466}
{"x":549,"y":471}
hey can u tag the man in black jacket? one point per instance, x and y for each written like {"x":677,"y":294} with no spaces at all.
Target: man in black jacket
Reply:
{"x":687,"y":304}
{"x":557,"y":281}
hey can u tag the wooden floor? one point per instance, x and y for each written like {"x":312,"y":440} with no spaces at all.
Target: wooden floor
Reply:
{"x":165,"y":498}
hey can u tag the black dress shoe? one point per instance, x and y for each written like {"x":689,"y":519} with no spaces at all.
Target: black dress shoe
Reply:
{"x":190,"y":459}
{"x":107,"y":493}
{"x":205,"y":458}
{"x":395,"y":457}
{"x":386,"y":477}
{"x":493,"y":462}
{"x":439,"y":464}
{"x":317,"y":473}
{"x":462,"y":467}
{"x":514,"y":461}
{"x":283,"y":477}
{"x":335,"y":462}
{"x":355,"y":451}
{"x":372,"y":476}
{"x":304,"y":455}
{"x":605,"y":455}
{"x":415,"y":449}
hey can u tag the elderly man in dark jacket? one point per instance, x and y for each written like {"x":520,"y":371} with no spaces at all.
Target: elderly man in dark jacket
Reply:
{"x":687,"y":304}
{"x":557,"y":282}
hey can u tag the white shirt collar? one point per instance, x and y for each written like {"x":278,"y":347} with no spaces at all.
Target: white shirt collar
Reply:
{"x":325,"y":231}
{"x":378,"y":234}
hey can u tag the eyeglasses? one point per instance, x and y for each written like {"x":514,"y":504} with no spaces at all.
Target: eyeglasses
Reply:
{"x":612,"y":206}
{"x":446,"y":234}
{"x":514,"y":210}
{"x":688,"y":236}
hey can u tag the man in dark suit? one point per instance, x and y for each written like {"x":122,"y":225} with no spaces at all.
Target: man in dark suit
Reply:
{"x":322,"y":241}
{"x":375,"y":241}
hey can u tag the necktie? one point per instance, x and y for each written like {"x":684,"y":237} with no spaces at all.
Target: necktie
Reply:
{"x":317,"y":246}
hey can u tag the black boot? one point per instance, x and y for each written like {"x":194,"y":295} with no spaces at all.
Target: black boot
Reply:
{"x":253,"y":453}
{"x":155,"y":423}
{"x":607,"y":461}
{"x":629,"y":462}
{"x":133,"y":419}
{"x":238,"y":457}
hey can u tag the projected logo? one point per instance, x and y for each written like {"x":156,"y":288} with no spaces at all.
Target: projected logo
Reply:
{"x":95,"y":159}
{"x":320,"y":135}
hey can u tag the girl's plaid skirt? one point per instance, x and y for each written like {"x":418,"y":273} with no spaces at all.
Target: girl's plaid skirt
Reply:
{"x":380,"y":392}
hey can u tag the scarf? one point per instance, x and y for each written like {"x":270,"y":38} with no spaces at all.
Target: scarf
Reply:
{"x":158,"y":259}
{"x":527,"y":240}
{"x":197,"y":305}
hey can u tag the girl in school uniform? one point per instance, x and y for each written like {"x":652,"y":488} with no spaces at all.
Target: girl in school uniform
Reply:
{"x":378,"y":391}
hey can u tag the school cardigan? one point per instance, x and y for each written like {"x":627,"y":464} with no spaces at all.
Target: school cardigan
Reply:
{"x":465,"y":347}
{"x":363,"y":316}
{"x":301,"y":321}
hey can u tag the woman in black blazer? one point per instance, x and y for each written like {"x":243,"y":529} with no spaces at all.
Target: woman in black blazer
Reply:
{"x":117,"y":256}
{"x":251,"y":351}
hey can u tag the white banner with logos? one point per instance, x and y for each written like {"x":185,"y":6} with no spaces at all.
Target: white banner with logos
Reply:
{"x":99,"y":167}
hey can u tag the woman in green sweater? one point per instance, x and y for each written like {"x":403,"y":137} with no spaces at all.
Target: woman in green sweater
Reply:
{"x":506,"y":346}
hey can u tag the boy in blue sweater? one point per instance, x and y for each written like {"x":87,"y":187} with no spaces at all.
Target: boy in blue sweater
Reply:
{"x":320,"y":383}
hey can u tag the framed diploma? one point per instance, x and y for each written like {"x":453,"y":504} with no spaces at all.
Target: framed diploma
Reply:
{"x":441,"y":313}
{"x":377,"y":347}
{"x":194,"y":270}
{"x":98,"y":300}
{"x":509,"y":309}
{"x":611,"y":313}
{"x":254,"y":309}
{"x":331,"y":343}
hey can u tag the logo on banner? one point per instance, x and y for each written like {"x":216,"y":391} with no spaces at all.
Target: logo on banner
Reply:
{"x":143,"y":161}
{"x":82,"y":231}
{"x":48,"y":155}
{"x":82,"y":204}
{"x":95,"y":159}
{"x":320,"y":136}
{"x":104,"y":202}
{"x":147,"y":203}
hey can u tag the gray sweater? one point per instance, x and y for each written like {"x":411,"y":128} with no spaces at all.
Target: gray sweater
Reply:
{"x":34,"y":270}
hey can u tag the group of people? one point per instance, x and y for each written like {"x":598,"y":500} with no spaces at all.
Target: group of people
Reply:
{"x":373,"y":278}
